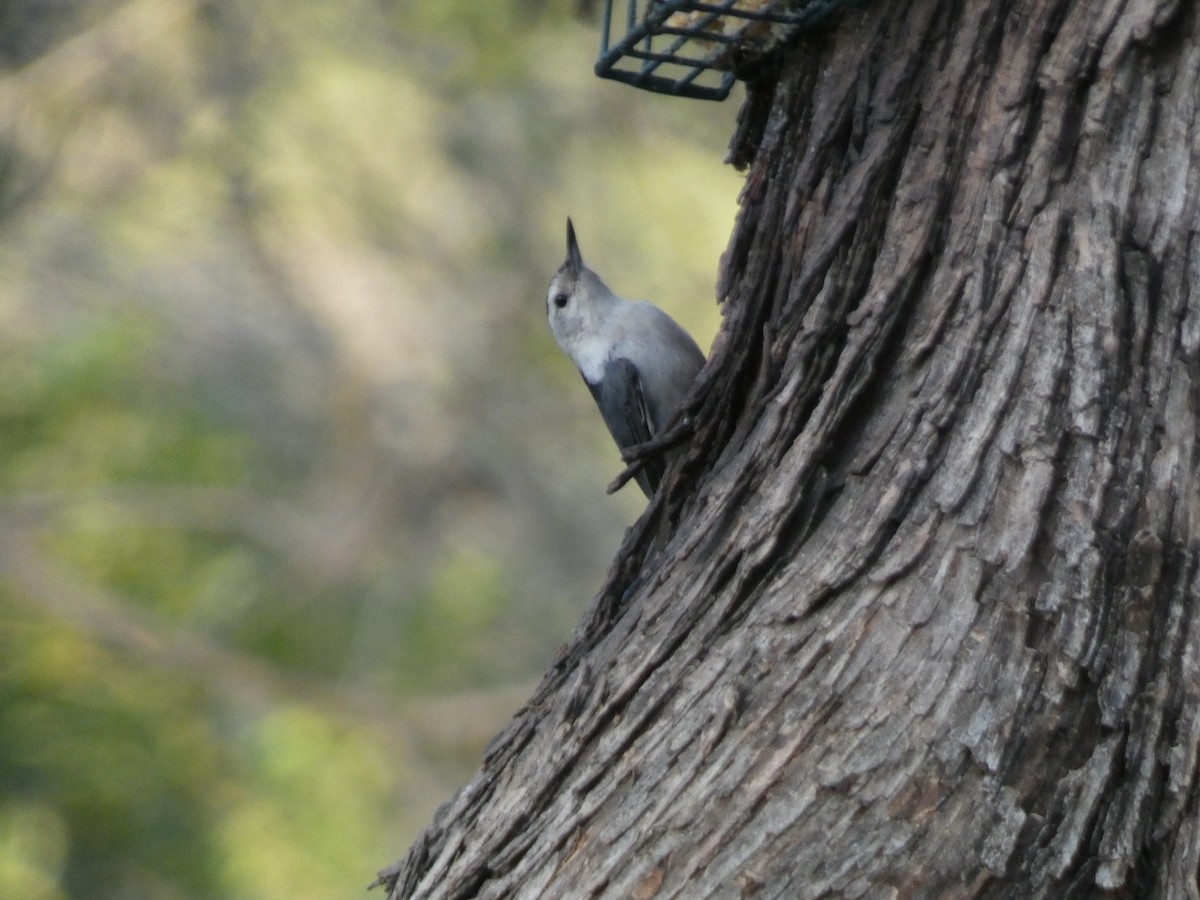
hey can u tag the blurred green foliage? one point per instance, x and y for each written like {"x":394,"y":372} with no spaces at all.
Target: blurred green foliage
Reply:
{"x":297,"y":497}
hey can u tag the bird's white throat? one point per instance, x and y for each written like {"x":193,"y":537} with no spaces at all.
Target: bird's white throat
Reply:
{"x":591,"y":353}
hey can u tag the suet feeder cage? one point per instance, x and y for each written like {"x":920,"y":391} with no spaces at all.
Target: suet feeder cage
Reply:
{"x":696,"y":49}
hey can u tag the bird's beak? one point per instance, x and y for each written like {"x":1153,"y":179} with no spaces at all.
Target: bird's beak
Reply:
{"x":574,"y":259}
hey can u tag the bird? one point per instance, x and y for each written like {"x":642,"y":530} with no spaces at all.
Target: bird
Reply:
{"x":636,"y":360}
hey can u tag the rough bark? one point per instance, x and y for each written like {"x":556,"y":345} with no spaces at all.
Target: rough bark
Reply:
{"x":916,"y":616}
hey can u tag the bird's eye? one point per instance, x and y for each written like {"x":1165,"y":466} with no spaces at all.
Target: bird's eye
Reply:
{"x":560,"y":300}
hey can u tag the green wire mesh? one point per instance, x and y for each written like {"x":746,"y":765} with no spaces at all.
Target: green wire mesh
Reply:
{"x":695,"y":49}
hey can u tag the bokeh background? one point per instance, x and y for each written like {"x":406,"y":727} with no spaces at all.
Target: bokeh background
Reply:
{"x":297,"y":496}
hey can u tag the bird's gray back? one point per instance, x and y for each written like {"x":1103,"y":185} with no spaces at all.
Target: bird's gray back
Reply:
{"x":666,"y":357}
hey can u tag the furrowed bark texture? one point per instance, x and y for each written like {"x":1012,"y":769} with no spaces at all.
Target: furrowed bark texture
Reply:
{"x":917,"y":615}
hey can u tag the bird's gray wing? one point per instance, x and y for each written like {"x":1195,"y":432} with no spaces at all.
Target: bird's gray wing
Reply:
{"x":622,"y":402}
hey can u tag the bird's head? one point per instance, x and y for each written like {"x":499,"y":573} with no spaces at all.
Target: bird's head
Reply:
{"x":577,"y":300}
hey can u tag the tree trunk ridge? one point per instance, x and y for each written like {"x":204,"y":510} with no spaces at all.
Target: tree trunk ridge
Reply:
{"x":917,"y":616}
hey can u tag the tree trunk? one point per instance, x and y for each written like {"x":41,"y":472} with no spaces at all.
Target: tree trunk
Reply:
{"x":916,"y":615}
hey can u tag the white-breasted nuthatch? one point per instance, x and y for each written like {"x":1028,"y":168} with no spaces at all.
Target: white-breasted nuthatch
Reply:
{"x":636,"y":360}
